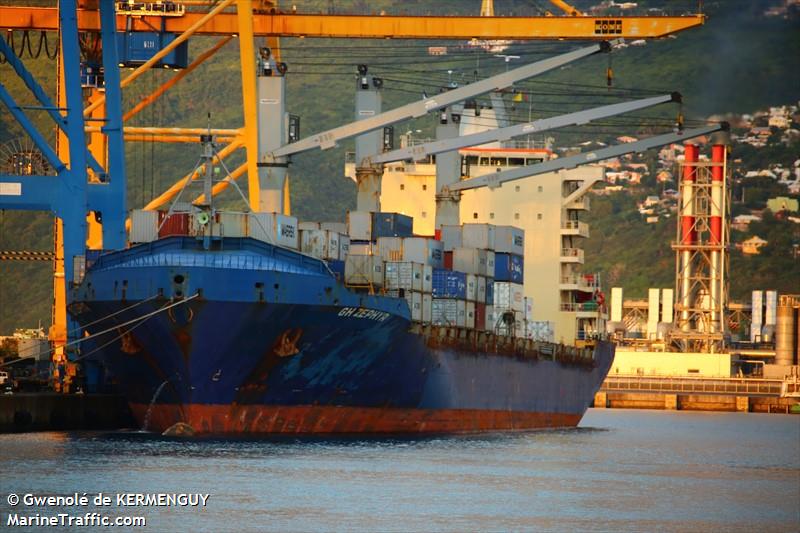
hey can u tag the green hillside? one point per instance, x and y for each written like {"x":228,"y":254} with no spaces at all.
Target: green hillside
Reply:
{"x":737,"y":62}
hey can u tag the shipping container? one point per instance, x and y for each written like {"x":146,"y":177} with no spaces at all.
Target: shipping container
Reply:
{"x":509,"y":240}
{"x":427,"y":308}
{"x":449,"y":312}
{"x":447,"y":260}
{"x":174,"y":224}
{"x":275,"y":228}
{"x":480,"y":295}
{"x":480,"y":236}
{"x":423,"y":250}
{"x":508,"y":267}
{"x":144,"y":226}
{"x":230,"y":224}
{"x":359,"y":225}
{"x":363,"y":270}
{"x":470,"y":260}
{"x":389,"y":248}
{"x":417,"y":275}
{"x":480,"y":316}
{"x":427,"y":279}
{"x":489,"y":291}
{"x":469,"y":315}
{"x":392,"y":225}
{"x":489,"y":325}
{"x":414,"y":300}
{"x":451,"y":237}
{"x":449,"y":284}
{"x":136,"y":48}
{"x":344,"y":246}
{"x":313,"y":242}
{"x":398,"y":276}
{"x":306,"y":226}
{"x":490,"y":258}
{"x":509,"y":296}
{"x":338,"y":227}
{"x":360,"y":248}
{"x":538,"y":330}
{"x":472,"y":287}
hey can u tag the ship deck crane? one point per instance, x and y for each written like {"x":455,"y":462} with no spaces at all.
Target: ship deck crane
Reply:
{"x":496,"y":179}
{"x":422,"y":151}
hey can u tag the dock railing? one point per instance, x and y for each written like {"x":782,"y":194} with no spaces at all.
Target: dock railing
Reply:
{"x":695,"y":385}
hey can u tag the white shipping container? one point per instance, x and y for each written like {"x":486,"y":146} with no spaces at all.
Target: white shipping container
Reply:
{"x":480,"y":295}
{"x":539,"y":330}
{"x":144,"y":226}
{"x":344,"y":246}
{"x":398,"y":276}
{"x":472,"y":287}
{"x":332,"y":247}
{"x":489,"y":264}
{"x":480,"y":236}
{"x":509,"y":296}
{"x":490,"y":319}
{"x":363,"y":270}
{"x":449,"y":312}
{"x":231,"y":224}
{"x":427,"y":308}
{"x":509,"y":240}
{"x":451,"y":237}
{"x":414,"y":300}
{"x":305,"y":226}
{"x":359,"y":225}
{"x":427,"y":279}
{"x":338,"y":227}
{"x":417,"y":274}
{"x":360,"y":248}
{"x":470,"y":260}
{"x":389,"y":248}
{"x":275,"y":228}
{"x":312,"y":242}
{"x":470,"y":315}
{"x":423,"y":250}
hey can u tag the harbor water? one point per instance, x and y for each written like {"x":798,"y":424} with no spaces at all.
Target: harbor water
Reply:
{"x":619,"y":471}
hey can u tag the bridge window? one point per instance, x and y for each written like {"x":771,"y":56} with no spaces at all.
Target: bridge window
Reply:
{"x":516,"y":161}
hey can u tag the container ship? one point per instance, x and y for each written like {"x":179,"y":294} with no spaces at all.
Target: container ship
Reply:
{"x":255,"y":323}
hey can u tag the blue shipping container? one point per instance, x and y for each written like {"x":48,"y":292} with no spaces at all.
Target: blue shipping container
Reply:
{"x":489,"y":291}
{"x":508,"y":267}
{"x":135,"y":48}
{"x":449,"y":284}
{"x":391,"y":225}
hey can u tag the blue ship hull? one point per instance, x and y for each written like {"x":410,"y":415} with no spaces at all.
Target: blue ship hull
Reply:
{"x":257,"y":339}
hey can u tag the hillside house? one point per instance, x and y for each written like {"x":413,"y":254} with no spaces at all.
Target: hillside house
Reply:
{"x":753,"y":245}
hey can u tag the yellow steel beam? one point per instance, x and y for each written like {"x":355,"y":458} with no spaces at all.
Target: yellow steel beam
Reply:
{"x":566,"y":8}
{"x":152,"y":97}
{"x":374,"y":26}
{"x":247,"y":65}
{"x":173,"y":191}
{"x":185,"y":34}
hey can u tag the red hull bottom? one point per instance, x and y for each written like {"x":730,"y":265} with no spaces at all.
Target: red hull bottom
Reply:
{"x":263,"y":419}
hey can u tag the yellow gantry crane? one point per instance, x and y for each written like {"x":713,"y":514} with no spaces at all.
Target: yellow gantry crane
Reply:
{"x":248,"y":19}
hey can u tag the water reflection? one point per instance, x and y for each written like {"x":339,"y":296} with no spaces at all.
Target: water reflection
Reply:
{"x":621,"y":470}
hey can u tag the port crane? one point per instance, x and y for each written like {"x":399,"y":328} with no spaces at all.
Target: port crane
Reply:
{"x":91,"y":180}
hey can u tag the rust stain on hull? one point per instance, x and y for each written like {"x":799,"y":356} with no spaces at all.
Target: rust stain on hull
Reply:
{"x":259,"y":419}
